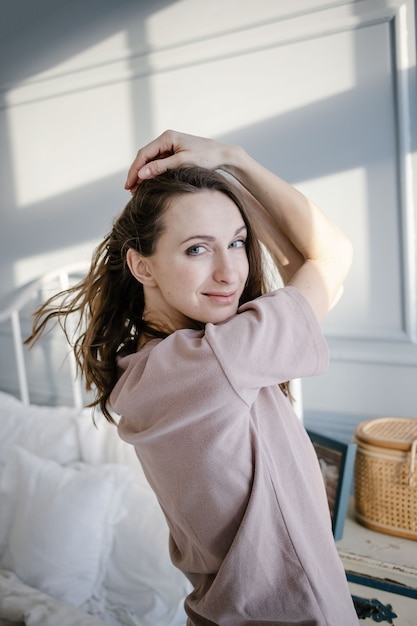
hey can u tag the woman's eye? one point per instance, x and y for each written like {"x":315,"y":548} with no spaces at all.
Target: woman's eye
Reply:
{"x":239,"y":243}
{"x":195,"y":250}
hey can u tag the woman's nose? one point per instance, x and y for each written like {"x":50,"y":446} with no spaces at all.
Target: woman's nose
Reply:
{"x":225,"y":270}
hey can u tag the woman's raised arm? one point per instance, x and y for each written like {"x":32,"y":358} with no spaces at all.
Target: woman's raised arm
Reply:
{"x":315,"y":254}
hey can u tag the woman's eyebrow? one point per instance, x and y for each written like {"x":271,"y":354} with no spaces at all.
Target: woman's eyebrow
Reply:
{"x":210,"y":237}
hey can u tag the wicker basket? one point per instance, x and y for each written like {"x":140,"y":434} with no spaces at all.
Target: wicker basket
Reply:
{"x":386,"y":476}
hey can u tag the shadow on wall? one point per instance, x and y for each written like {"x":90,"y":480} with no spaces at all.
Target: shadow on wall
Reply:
{"x":41,"y":40}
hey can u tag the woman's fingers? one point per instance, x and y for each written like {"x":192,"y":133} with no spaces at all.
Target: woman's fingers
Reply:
{"x":171,"y":149}
{"x":159,"y":148}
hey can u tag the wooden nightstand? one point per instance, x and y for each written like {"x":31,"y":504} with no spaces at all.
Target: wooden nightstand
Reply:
{"x":382,"y":573}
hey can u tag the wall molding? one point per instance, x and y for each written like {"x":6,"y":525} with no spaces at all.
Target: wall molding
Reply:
{"x":288,"y":29}
{"x":395,"y":347}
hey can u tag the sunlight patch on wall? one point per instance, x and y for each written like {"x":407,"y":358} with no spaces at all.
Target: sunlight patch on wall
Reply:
{"x":224,"y":83}
{"x":29,"y":268}
{"x":349,"y":212}
{"x":64,"y":133}
{"x":188,"y":19}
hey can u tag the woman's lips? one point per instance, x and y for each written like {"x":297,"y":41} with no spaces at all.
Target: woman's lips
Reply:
{"x":222,"y":298}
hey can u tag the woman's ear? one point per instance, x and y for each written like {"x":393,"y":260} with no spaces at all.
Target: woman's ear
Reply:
{"x":139,"y":268}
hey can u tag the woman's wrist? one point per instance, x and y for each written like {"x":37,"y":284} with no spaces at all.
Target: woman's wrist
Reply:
{"x":236,"y":161}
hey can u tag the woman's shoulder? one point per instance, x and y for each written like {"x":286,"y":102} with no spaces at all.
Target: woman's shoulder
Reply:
{"x":289,"y":294}
{"x":283,"y":309}
{"x":156,"y":350}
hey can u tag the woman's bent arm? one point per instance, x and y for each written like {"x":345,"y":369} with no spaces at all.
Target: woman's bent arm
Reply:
{"x":326,"y":252}
{"x":315,"y":255}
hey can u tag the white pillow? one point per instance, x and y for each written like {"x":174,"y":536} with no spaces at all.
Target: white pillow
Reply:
{"x":59,"y":523}
{"x":143,"y":588}
{"x":100,"y":443}
{"x":47,"y":431}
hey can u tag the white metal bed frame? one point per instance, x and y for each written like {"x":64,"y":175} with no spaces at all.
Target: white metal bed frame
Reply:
{"x":12,"y":314}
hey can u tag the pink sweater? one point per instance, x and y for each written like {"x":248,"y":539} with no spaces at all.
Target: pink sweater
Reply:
{"x":233,"y":467}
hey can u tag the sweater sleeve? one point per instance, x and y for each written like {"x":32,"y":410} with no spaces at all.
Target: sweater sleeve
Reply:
{"x":273,"y":339}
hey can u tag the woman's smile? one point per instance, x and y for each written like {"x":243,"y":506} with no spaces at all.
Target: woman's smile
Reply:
{"x":222,"y":298}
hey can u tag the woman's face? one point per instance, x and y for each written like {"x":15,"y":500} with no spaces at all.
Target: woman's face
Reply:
{"x":199,"y":268}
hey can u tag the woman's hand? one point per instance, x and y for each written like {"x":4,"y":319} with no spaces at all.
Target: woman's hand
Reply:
{"x":172,"y":149}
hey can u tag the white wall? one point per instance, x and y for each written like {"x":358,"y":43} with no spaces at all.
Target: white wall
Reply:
{"x":323,"y":93}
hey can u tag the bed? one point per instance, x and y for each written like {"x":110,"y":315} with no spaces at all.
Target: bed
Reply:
{"x":82,"y":538}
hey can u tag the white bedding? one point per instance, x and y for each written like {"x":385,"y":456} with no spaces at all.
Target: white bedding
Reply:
{"x":21,"y":604}
{"x":82,"y":536}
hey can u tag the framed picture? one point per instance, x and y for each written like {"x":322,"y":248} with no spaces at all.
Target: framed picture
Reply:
{"x":336,"y":461}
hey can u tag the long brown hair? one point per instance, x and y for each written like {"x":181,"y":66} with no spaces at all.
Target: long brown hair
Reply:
{"x":109,"y":301}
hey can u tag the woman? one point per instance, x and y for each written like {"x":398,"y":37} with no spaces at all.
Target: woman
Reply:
{"x":181,"y":343}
